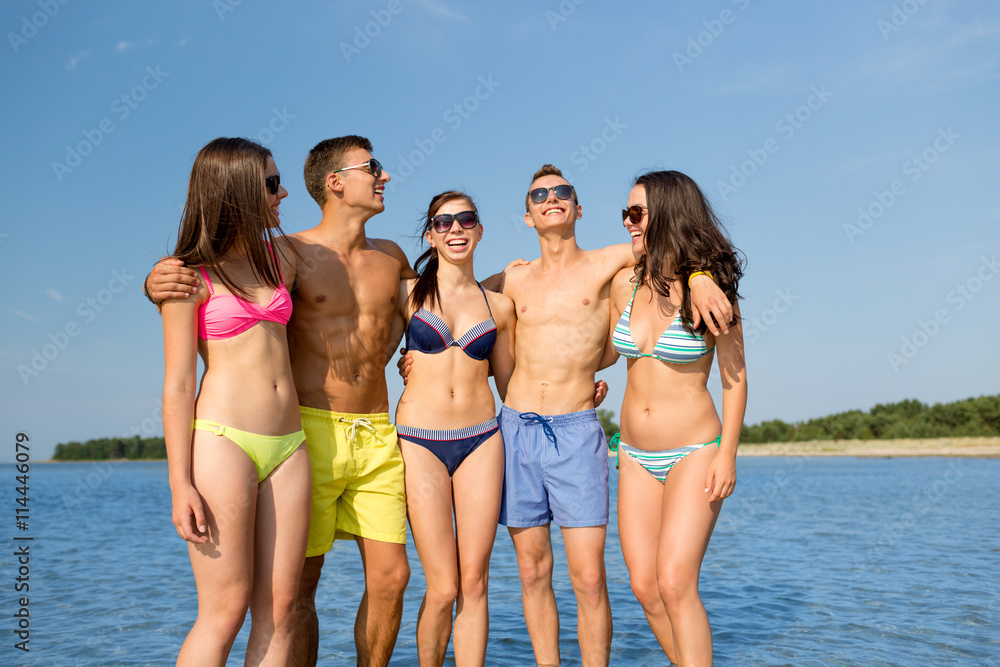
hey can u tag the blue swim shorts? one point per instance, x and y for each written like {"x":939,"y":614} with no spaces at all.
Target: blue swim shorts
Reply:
{"x":555,"y":469}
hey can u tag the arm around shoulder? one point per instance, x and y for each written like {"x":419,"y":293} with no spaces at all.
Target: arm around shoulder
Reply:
{"x":720,"y":480}
{"x":171,"y":279}
{"x":502,"y":359}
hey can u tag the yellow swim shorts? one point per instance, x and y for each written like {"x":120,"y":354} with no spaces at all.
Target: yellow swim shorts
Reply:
{"x":357,"y":478}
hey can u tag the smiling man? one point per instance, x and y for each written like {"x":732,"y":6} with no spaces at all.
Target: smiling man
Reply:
{"x":556,"y":459}
{"x":340,"y":336}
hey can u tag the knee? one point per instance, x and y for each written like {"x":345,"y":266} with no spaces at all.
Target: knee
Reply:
{"x":647,"y":593}
{"x":589,"y":582}
{"x":474,"y":585}
{"x":391,"y":581}
{"x":535,"y":570}
{"x":676,"y":585}
{"x":442,"y":594}
{"x":226,"y":613}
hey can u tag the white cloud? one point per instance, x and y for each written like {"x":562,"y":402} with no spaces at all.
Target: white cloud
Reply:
{"x":54,"y":294}
{"x":75,"y":60}
{"x":183,"y":42}
{"x":440,"y":9}
{"x":124,"y":46}
{"x":30,"y":318}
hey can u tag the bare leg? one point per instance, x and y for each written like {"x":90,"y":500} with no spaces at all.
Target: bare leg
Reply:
{"x":639,"y":531}
{"x":280,"y":535}
{"x":429,"y":507}
{"x":223,"y":567}
{"x":478,"y":485}
{"x":688,"y":521}
{"x":305,"y":642}
{"x":386,"y":574}
{"x":585,"y":557}
{"x":534,"y":563}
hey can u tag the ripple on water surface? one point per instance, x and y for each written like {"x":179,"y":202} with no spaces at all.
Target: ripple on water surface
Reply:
{"x":822,"y":561}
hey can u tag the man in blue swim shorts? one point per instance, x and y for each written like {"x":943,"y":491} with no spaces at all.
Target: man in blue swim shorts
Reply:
{"x":556,"y":457}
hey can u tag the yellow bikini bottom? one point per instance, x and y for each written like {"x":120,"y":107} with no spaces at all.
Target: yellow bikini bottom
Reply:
{"x":266,"y":451}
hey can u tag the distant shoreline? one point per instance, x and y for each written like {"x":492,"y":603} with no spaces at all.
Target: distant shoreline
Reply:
{"x":988,"y":447}
{"x":908,"y":447}
{"x":903,"y":447}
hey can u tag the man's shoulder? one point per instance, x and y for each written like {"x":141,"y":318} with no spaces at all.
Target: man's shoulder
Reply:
{"x":387,"y":247}
{"x":517,"y":275}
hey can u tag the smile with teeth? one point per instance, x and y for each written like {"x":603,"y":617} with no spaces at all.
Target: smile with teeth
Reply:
{"x":457,"y":243}
{"x":380,"y":190}
{"x":552,"y":211}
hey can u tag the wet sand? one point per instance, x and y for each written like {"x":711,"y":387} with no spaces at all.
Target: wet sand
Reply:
{"x":982,"y":447}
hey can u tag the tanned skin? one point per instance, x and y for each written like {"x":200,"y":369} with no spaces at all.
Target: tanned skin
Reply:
{"x":343,"y":328}
{"x":562,"y":301}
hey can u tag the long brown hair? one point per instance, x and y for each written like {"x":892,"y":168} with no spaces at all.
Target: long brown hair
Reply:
{"x":426,"y":289}
{"x":227,"y":207}
{"x":683,"y":235}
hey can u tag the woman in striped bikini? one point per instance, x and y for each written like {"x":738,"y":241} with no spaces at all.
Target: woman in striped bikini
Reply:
{"x":674,"y":452}
{"x":448,"y":432}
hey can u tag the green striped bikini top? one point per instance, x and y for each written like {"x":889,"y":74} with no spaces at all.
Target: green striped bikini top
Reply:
{"x":675,"y":345}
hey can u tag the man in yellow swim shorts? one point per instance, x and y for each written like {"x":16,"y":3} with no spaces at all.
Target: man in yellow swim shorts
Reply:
{"x":340,"y":337}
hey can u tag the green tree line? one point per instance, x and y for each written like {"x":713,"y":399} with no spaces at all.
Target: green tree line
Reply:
{"x":111,"y":448}
{"x":907,"y":419}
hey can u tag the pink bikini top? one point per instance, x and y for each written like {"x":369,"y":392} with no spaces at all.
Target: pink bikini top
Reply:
{"x":228,"y":315}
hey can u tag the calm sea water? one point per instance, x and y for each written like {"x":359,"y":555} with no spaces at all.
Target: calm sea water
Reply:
{"x":818,"y":561}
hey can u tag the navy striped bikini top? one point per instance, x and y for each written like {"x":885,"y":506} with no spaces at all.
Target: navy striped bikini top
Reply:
{"x":429,"y":334}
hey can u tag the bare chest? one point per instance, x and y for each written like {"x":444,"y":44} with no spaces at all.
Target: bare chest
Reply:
{"x":566,"y":299}
{"x":337,"y":287}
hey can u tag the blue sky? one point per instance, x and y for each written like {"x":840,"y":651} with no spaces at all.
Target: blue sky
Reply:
{"x":850,"y":148}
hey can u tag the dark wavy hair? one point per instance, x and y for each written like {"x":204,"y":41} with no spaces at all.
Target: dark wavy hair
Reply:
{"x":426,"y":289}
{"x":227,"y":207}
{"x":684,"y":235}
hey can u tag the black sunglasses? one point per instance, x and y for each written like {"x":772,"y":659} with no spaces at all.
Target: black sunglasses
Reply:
{"x":374,"y":167}
{"x":633,"y":213}
{"x":538,"y":195}
{"x":466,"y":219}
{"x":272,"y":183}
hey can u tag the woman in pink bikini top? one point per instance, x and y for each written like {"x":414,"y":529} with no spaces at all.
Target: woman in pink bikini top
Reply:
{"x":239,"y":469}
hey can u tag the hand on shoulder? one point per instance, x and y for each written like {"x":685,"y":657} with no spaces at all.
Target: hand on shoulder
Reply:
{"x":171,"y":279}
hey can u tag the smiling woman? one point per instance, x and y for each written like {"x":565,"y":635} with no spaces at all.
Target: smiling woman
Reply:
{"x":448,"y":430}
{"x":246,"y":551}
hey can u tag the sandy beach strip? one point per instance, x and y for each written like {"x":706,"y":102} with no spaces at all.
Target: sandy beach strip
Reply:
{"x":980,"y":447}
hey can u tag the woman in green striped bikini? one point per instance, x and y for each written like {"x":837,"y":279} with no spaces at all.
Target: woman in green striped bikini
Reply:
{"x":674,"y":452}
